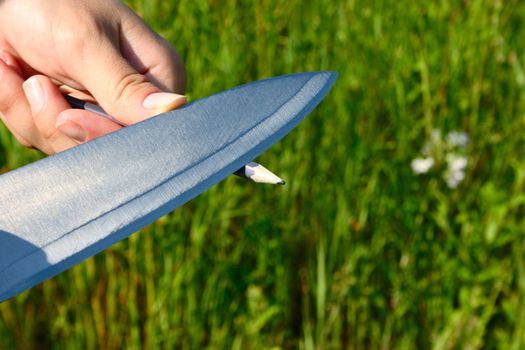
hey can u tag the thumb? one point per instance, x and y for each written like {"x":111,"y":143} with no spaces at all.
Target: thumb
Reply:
{"x":122,"y":91}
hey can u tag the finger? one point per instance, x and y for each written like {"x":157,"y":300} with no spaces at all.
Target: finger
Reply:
{"x":13,"y":63}
{"x":83,"y":125}
{"x":15,"y":109}
{"x":150,"y":54}
{"x":46,"y":104}
{"x":123,"y":92}
{"x":17,"y":136}
{"x":61,"y":126}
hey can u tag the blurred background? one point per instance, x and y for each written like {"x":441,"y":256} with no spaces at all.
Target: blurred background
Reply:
{"x":402,"y":223}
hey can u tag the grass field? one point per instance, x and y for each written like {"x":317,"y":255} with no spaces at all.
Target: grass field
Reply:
{"x":356,"y":251}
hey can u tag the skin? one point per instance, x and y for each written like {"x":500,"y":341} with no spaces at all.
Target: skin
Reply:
{"x":97,"y":50}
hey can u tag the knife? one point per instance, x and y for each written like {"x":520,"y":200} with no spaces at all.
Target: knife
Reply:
{"x":67,"y":207}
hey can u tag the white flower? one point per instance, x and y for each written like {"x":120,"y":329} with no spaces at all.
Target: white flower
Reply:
{"x":421,"y":165}
{"x":456,"y":162}
{"x":457,"y":139}
{"x":444,"y":152}
{"x":455,"y":173}
{"x":454,"y":178}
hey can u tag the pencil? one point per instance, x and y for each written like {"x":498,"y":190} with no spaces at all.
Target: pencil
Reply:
{"x":252,"y":171}
{"x":259,"y":174}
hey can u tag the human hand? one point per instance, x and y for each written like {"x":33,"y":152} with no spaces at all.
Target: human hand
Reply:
{"x":94,"y":49}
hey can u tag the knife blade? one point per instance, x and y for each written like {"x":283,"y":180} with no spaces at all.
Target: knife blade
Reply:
{"x":65,"y":208}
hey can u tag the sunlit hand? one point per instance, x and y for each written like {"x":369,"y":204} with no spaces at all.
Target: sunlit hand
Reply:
{"x":96,"y":49}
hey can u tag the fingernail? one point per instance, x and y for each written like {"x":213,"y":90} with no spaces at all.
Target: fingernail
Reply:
{"x":72,"y":130}
{"x":163,"y":101}
{"x":35,"y":94}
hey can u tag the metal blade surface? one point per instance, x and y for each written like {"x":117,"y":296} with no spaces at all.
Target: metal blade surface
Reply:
{"x":63,"y":209}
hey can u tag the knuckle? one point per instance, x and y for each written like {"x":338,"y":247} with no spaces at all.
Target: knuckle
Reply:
{"x":127,"y":86}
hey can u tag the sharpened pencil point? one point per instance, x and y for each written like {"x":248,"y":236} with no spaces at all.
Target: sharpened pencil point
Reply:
{"x":257,"y":173}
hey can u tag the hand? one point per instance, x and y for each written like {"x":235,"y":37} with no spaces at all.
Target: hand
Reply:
{"x":93,"y":49}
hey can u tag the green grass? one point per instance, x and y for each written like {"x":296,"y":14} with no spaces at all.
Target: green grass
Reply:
{"x":355,"y":252}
